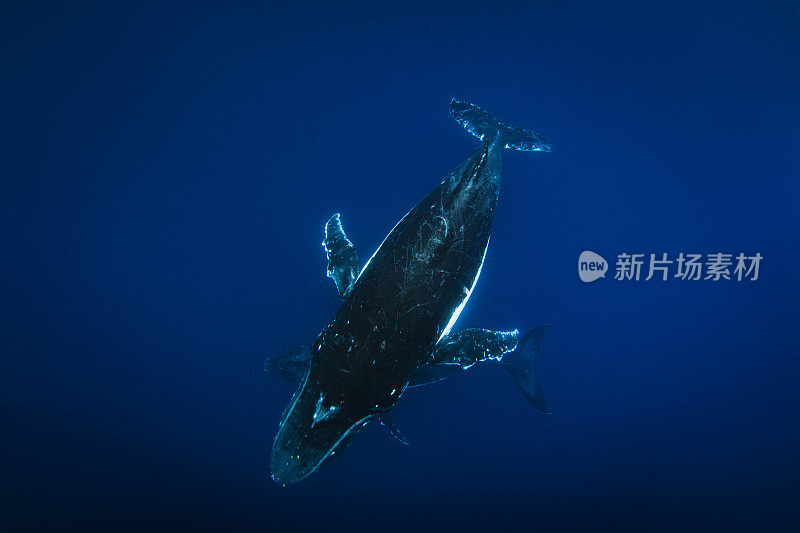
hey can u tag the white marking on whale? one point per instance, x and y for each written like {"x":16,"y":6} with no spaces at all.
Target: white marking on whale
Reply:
{"x":457,"y":312}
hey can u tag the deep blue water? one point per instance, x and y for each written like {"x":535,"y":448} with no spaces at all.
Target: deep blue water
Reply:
{"x":167,"y":171}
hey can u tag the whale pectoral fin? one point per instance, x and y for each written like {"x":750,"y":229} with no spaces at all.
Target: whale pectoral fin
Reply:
{"x":471,"y":346}
{"x":386,"y":421}
{"x":428,"y":373}
{"x":521,"y":364}
{"x":290,"y":365}
{"x":342,"y":257}
{"x":457,"y":352}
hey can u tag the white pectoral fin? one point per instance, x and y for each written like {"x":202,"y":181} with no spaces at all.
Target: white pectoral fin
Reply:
{"x":474,"y":345}
{"x":342,"y":256}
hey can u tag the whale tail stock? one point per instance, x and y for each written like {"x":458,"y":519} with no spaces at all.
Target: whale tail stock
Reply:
{"x":481,"y":124}
{"x":521,"y":364}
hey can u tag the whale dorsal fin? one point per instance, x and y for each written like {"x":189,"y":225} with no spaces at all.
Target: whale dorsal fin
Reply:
{"x":342,"y":257}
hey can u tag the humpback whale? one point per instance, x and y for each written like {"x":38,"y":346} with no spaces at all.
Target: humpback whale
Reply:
{"x":393,"y":329}
{"x":458,"y":353}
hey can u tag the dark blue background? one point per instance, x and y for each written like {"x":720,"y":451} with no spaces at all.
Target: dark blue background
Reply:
{"x":167,"y":171}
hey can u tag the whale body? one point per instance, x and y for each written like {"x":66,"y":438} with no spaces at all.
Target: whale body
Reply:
{"x":400,"y":306}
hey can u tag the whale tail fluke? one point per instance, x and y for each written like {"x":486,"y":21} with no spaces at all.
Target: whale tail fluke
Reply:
{"x":482,"y":125}
{"x":521,"y":364}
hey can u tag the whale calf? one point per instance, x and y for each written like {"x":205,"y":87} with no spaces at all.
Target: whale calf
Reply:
{"x":398,"y":310}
